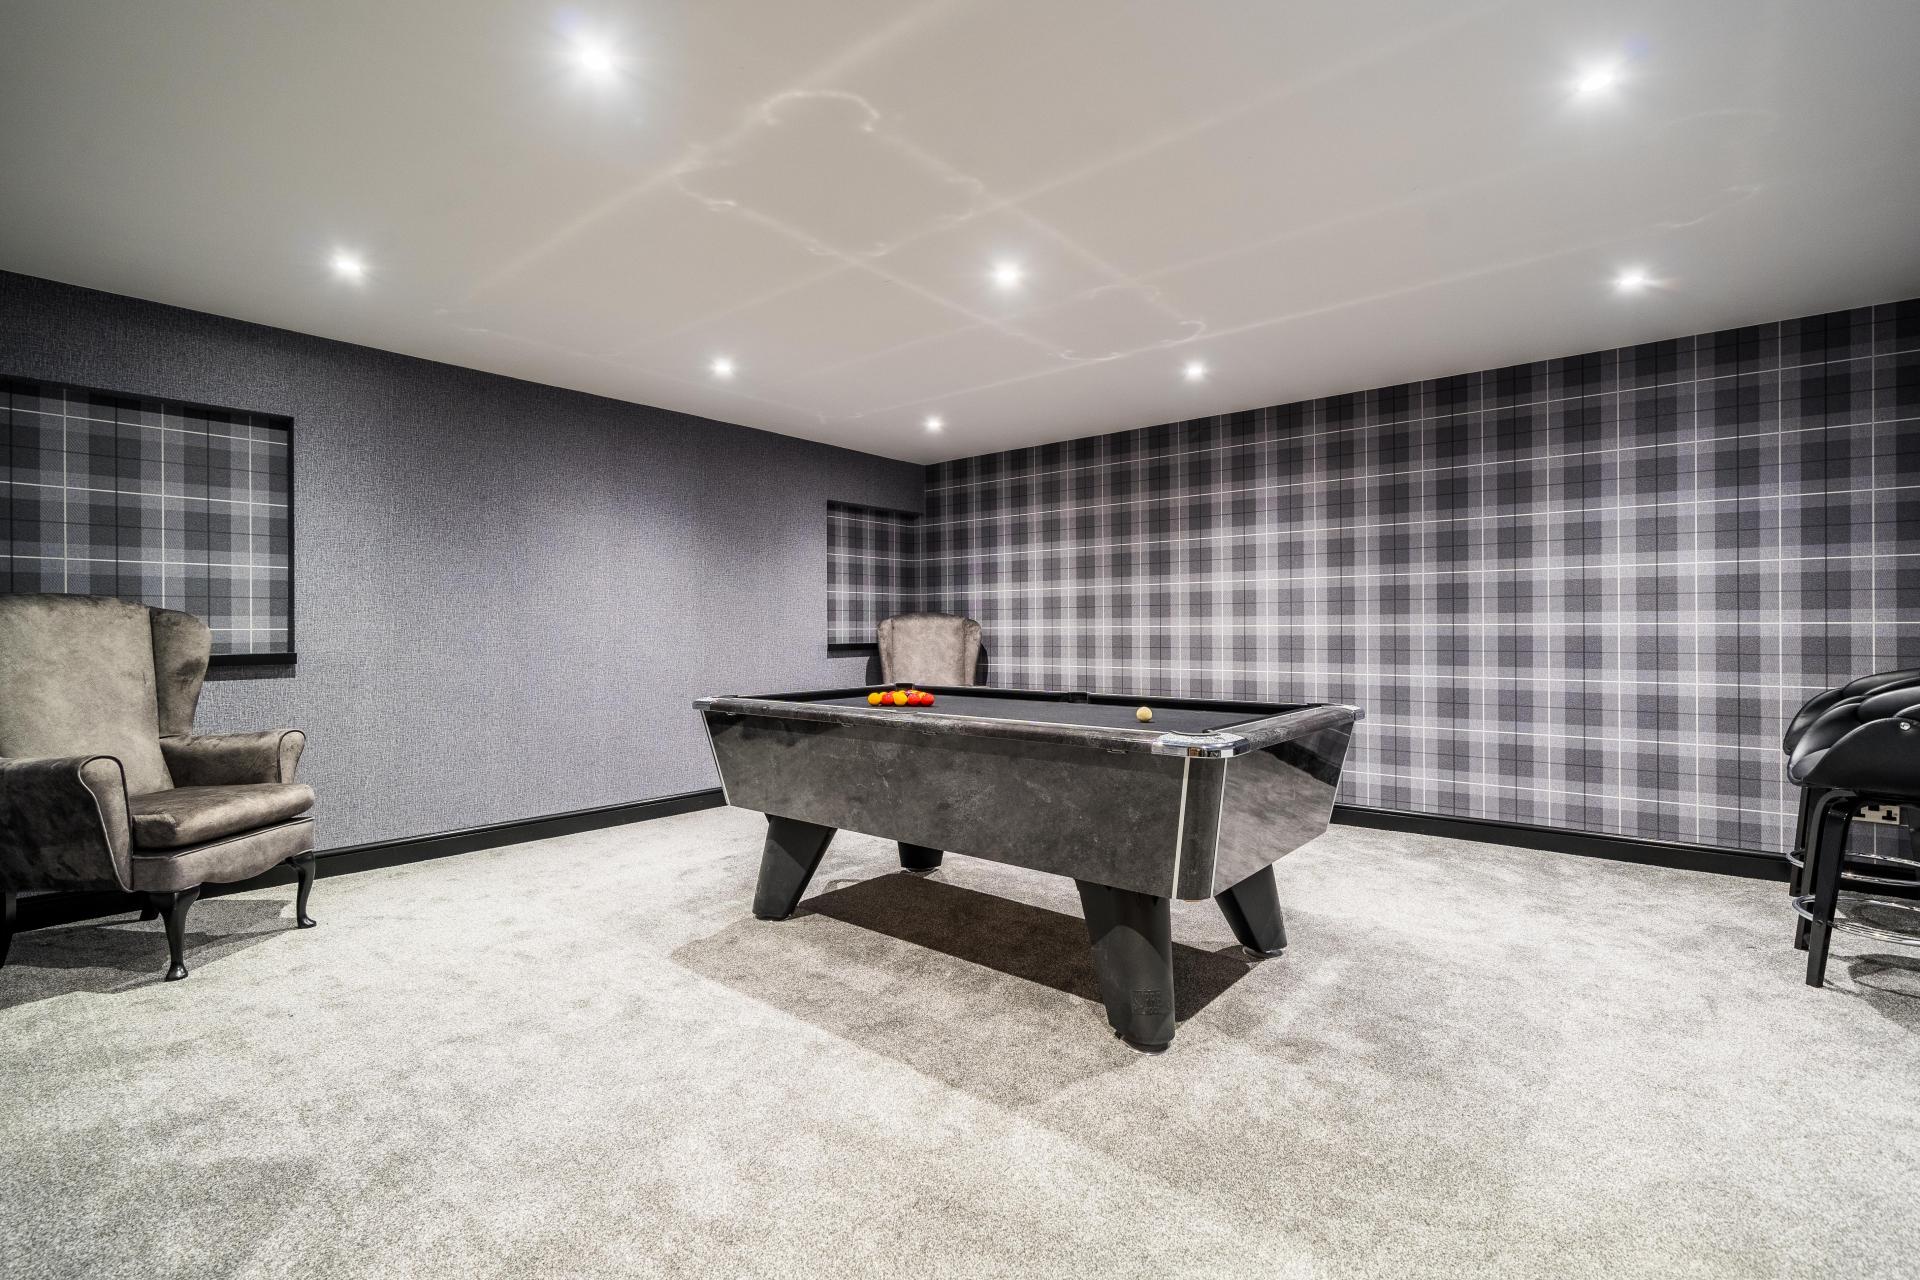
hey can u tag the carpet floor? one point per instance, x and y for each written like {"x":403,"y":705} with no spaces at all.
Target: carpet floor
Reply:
{"x":584,"y":1057}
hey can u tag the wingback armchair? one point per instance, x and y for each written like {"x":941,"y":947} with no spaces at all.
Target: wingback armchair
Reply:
{"x":104,"y":784}
{"x":928,"y":648}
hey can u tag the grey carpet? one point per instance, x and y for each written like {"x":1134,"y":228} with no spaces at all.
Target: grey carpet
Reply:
{"x":583,"y":1057}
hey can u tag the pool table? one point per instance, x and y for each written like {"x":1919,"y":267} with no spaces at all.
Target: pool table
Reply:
{"x":1198,"y":803}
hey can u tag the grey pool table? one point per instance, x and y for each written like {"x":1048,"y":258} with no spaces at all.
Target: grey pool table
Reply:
{"x":1199,"y":803}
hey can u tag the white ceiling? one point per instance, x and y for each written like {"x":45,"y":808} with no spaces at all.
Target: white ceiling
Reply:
{"x":1309,"y":197}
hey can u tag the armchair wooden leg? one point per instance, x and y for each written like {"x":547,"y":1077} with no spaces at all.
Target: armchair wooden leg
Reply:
{"x":7,"y":919}
{"x":149,"y":912}
{"x":174,"y":907}
{"x":304,"y":866}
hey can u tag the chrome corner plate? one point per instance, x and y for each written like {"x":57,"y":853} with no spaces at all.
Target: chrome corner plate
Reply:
{"x":1204,"y":746}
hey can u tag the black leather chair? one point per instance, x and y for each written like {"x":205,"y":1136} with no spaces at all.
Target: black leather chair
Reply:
{"x":104,"y":784}
{"x":1859,"y":751}
{"x":1819,"y":703}
{"x":1804,"y":719}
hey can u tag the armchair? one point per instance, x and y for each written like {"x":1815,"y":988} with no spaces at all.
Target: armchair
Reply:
{"x":929,"y":648}
{"x":104,"y":784}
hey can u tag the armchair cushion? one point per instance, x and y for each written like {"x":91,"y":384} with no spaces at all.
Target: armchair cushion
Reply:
{"x":193,"y":815}
{"x":221,"y":759}
{"x":64,"y":823}
{"x":221,"y":861}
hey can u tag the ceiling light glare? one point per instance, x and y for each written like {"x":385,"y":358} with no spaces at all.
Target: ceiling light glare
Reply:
{"x":722,"y":367}
{"x":348,"y":266}
{"x":1195,"y":371}
{"x":935,"y":422}
{"x":595,"y":59}
{"x":1008,"y":275}
{"x":1632,"y":280}
{"x":1599,"y":80}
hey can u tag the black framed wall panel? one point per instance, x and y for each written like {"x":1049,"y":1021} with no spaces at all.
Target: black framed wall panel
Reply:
{"x":1583,"y":593}
{"x":873,"y":569}
{"x":155,"y":501}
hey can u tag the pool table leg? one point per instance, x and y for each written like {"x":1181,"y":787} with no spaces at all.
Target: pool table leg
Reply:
{"x":917,"y":857}
{"x":794,"y":849}
{"x":1252,"y":909}
{"x":1132,"y":936}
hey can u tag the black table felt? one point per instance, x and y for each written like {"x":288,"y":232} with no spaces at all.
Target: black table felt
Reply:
{"x":1096,"y":715}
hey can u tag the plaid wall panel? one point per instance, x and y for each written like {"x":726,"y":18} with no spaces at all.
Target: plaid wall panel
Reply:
{"x":151,"y":501}
{"x":873,"y":569}
{"x":1584,"y":593}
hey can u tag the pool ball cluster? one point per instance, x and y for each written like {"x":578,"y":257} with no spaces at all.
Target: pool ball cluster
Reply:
{"x":900,"y":698}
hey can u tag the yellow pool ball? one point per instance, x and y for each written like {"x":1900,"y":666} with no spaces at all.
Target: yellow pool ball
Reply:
{"x":1144,"y":714}
{"x":873,"y":699}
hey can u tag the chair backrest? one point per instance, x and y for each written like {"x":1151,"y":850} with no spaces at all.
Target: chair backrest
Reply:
{"x":83,"y":675}
{"x":929,"y":648}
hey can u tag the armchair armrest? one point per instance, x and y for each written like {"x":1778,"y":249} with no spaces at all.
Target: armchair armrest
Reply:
{"x":63,"y":824}
{"x":222,"y":759}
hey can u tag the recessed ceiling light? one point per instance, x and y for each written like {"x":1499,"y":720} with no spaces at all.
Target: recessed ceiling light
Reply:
{"x":1008,"y":275}
{"x":1632,"y":280}
{"x":348,"y":266}
{"x":935,"y":422}
{"x":722,"y":367}
{"x":595,"y":58}
{"x":1598,"y":80}
{"x":1195,"y":371}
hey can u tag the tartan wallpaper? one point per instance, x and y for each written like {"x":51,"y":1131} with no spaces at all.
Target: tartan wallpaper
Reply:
{"x":152,"y":501}
{"x":1585,"y":593}
{"x":873,"y":569}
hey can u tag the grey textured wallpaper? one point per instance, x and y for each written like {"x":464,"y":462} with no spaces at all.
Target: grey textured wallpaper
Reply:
{"x":506,"y":595}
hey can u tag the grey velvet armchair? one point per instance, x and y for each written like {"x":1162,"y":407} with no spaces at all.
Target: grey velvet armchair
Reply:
{"x":104,"y":784}
{"x":929,"y":648}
